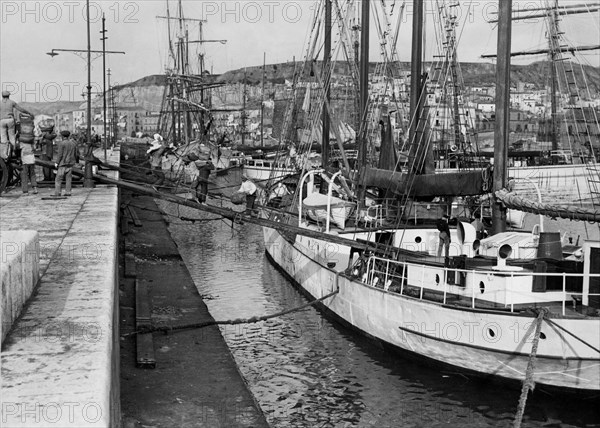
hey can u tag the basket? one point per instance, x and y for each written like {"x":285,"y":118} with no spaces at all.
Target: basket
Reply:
{"x":238,"y":198}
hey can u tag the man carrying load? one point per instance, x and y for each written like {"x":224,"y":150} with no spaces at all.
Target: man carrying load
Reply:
{"x":8,"y":139}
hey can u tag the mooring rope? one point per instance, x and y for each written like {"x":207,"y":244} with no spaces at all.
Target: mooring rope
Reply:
{"x":528,"y":383}
{"x":250,"y":320}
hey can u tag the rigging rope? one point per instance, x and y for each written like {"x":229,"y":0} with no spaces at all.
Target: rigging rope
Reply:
{"x":528,"y":383}
{"x":552,"y":323}
{"x":236,"y":321}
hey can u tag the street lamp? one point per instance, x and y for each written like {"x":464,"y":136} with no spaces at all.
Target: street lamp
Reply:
{"x":88,"y":180}
{"x":54,"y":52}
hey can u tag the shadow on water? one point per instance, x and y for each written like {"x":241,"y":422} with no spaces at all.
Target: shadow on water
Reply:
{"x":306,"y":371}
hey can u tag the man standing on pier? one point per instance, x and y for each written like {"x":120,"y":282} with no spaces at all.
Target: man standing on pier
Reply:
{"x":8,"y":140}
{"x":68,"y":156}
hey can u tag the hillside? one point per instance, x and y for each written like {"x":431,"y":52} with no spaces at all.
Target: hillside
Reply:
{"x":474,"y":73}
{"x":148,"y":91}
{"x":50,"y":108}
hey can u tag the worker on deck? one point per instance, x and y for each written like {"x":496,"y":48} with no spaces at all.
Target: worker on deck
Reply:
{"x":442,"y":226}
{"x":478,"y":225}
{"x":155,"y":153}
{"x":200,"y":184}
{"x":277,"y":194}
{"x":249,"y":189}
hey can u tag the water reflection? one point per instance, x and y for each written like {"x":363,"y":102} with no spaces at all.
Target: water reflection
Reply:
{"x":308,"y":372}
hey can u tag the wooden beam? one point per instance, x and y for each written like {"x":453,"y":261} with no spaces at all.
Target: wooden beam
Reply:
{"x":223,"y":212}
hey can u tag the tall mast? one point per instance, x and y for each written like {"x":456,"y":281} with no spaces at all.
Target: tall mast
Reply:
{"x":502,"y":112}
{"x":455,"y":82}
{"x":364,"y":93}
{"x":554,"y":50}
{"x":262,"y":103}
{"x":420,"y":153}
{"x":327,"y":81}
{"x":244,"y":110}
{"x":416,"y":68}
{"x":554,"y":44}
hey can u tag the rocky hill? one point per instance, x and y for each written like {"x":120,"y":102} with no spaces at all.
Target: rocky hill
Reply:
{"x":148,"y":92}
{"x":474,"y":73}
{"x":50,"y":108}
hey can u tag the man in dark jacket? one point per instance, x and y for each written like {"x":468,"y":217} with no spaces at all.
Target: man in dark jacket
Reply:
{"x":200,"y":185}
{"x":442,"y":226}
{"x":47,"y":142}
{"x":67,"y":157}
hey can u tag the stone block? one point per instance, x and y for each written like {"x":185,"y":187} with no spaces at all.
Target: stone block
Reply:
{"x":19,"y":271}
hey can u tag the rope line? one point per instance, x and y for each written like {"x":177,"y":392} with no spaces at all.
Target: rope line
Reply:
{"x":180,"y":217}
{"x":528,"y":383}
{"x":236,"y":321}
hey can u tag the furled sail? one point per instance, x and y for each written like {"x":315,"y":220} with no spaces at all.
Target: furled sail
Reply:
{"x":459,"y":183}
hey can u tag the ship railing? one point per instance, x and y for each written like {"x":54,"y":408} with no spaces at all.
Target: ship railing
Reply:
{"x":391,"y":276}
{"x":392,"y":210}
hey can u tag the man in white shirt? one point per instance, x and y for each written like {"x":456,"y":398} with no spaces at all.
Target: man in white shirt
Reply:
{"x":249,"y":189}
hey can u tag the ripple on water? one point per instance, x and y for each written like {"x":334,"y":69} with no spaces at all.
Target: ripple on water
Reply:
{"x":307,"y":372}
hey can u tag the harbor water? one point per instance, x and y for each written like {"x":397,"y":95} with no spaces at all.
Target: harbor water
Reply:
{"x":306,"y":371}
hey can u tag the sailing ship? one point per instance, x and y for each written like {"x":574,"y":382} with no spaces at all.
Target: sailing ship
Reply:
{"x":555,"y":133}
{"x":490,"y":305}
{"x":186,"y":117}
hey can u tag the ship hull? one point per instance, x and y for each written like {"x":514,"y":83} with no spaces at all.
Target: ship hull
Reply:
{"x":487,"y":343}
{"x":263,"y":174}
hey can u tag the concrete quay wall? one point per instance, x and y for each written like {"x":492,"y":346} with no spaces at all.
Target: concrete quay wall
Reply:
{"x":60,"y":360}
{"x":19,"y":272}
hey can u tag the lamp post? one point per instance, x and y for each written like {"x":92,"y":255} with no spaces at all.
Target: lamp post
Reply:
{"x":88,"y":181}
{"x":103,"y":38}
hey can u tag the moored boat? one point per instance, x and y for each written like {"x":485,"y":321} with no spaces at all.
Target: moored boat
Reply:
{"x":489,"y":307}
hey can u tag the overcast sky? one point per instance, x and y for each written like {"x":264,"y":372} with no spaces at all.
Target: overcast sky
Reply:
{"x":29,"y":29}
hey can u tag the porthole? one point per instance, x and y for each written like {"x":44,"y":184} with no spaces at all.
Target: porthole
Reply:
{"x":437,"y":279}
{"x":491,"y":332}
{"x":418,"y":240}
{"x":542,"y":336}
{"x":481,"y":286}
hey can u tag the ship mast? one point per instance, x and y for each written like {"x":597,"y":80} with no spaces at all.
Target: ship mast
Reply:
{"x":554,"y":50}
{"x":416,"y":67}
{"x":554,"y":45}
{"x":185,"y":97}
{"x":364,"y":97}
{"x":262,"y":103}
{"x":501,"y":126}
{"x":327,"y":89}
